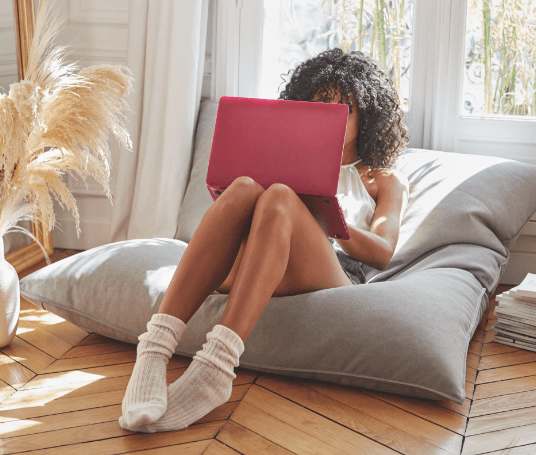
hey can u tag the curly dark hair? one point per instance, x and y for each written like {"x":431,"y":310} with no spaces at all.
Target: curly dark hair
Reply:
{"x":382,"y":135}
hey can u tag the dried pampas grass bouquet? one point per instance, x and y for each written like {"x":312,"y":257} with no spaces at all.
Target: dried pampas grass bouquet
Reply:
{"x":56,"y":120}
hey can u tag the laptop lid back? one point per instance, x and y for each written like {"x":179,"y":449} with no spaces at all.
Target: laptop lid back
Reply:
{"x":296,"y":143}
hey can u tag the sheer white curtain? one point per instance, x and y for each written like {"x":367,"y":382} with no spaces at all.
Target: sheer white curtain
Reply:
{"x":166,"y":52}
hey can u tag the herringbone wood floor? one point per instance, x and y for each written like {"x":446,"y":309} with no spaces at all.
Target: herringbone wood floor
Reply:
{"x":61,"y":390}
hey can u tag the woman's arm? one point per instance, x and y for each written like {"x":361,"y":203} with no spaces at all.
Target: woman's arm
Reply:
{"x":377,"y":246}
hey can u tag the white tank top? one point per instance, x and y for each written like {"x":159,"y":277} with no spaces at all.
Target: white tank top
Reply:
{"x":356,"y":203}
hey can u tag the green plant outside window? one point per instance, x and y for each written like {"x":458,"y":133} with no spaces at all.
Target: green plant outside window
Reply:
{"x":380,"y":28}
{"x":500,"y":66}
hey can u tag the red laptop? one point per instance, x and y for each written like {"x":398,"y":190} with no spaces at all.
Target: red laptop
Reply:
{"x":296,"y":143}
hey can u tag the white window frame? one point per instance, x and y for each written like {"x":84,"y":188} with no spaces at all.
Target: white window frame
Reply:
{"x":435,"y":98}
{"x":512,"y":137}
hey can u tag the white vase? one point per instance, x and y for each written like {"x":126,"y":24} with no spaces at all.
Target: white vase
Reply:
{"x":9,"y":300}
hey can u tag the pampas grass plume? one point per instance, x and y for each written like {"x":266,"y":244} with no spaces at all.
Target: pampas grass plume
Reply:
{"x":53,"y":122}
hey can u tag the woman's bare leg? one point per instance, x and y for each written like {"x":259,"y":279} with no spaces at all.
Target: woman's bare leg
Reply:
{"x":270,"y":265}
{"x":208,"y":381}
{"x":204,"y":266}
{"x":212,"y":251}
{"x":262,"y":267}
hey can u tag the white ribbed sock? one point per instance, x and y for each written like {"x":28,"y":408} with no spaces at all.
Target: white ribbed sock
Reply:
{"x":205,"y":385}
{"x":145,"y":399}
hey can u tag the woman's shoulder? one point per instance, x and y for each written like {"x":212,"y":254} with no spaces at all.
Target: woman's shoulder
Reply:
{"x":390,"y":178}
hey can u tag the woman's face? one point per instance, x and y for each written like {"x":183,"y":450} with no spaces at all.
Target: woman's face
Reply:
{"x":352,"y":126}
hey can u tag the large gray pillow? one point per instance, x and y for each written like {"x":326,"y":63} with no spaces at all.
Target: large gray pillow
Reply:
{"x":406,"y":331}
{"x":408,"y":336}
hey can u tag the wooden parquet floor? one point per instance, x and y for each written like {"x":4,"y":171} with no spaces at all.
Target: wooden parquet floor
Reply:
{"x":61,"y":390}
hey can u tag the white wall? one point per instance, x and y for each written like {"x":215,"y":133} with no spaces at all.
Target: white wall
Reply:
{"x":522,"y":255}
{"x":99,"y":31}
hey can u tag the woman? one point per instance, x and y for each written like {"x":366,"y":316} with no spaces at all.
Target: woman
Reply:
{"x":255,"y":243}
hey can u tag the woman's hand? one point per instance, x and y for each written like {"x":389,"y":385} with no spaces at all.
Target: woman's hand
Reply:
{"x":377,"y":246}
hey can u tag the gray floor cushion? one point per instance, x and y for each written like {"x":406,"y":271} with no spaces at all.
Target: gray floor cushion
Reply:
{"x":406,"y":331}
{"x":409,"y":335}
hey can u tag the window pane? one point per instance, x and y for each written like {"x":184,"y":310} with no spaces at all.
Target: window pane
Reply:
{"x":296,"y":30}
{"x":500,"y":65}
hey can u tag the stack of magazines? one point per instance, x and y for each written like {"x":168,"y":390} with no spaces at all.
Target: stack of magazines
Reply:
{"x":516,"y":313}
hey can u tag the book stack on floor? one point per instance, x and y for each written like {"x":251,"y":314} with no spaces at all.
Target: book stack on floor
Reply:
{"x":516,"y":313}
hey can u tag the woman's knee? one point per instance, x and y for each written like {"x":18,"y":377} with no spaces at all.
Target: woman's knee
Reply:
{"x":245,"y":184}
{"x":243,"y":189}
{"x":277,"y":199}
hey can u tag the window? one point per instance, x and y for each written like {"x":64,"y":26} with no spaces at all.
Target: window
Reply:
{"x":295,"y":30}
{"x":500,"y":65}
